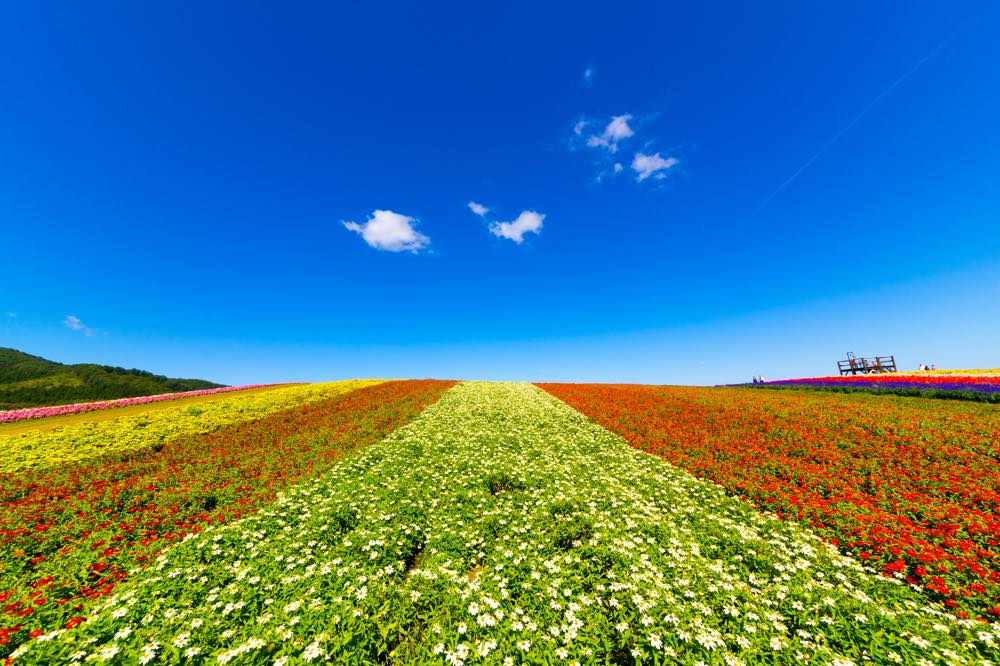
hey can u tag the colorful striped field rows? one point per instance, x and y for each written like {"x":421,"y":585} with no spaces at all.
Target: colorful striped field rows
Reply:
{"x":12,"y":415}
{"x":44,"y":448}
{"x":432,"y":523}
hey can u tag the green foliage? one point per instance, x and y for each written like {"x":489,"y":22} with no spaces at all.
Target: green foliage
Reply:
{"x":32,"y":381}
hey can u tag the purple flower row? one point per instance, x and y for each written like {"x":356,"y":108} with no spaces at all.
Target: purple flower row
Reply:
{"x":12,"y":415}
{"x":892,"y":385}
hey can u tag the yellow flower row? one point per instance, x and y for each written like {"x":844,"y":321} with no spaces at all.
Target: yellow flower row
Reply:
{"x":134,"y":432}
{"x":980,"y":371}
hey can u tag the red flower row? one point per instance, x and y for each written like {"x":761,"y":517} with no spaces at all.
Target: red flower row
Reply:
{"x":911,"y":487}
{"x":72,"y":533}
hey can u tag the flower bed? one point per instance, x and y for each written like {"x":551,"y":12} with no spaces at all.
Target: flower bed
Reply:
{"x":149,"y":429}
{"x":11,"y":415}
{"x":910,"y":487}
{"x":502,"y":527}
{"x":983,"y":387}
{"x":73,"y":533}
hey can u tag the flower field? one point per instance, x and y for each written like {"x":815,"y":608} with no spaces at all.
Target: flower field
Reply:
{"x":428,"y":522}
{"x":503,"y":527}
{"x":134,"y":432}
{"x":983,"y":387}
{"x":911,"y":487}
{"x":71,"y":533}
{"x":12,"y":415}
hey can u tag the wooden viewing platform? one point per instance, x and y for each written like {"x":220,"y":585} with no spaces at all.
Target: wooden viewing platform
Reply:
{"x":866,"y":366}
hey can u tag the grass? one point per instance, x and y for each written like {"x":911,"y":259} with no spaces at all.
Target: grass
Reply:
{"x":53,"y":422}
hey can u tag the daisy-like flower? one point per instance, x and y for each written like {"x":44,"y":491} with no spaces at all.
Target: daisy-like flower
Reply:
{"x":148,"y":652}
{"x":312,"y":651}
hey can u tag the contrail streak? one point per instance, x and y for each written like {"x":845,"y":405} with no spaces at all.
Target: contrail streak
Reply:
{"x":857,"y":118}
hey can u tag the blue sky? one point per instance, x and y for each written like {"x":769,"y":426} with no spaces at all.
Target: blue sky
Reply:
{"x":250,"y":192}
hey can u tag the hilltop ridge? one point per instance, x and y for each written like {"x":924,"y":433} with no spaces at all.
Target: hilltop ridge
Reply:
{"x":32,"y":381}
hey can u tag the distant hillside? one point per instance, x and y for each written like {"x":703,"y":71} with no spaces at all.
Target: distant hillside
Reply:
{"x":32,"y":381}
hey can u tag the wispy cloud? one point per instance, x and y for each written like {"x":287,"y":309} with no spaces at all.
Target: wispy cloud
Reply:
{"x":478,"y":208}
{"x":614,"y":133}
{"x":73,"y":323}
{"x":390,"y":232}
{"x":588,"y":76}
{"x":12,"y":315}
{"x":528,"y":221}
{"x":854,"y":121}
{"x":654,"y":165}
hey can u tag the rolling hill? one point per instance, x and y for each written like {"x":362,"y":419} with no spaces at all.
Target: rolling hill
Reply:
{"x":32,"y":381}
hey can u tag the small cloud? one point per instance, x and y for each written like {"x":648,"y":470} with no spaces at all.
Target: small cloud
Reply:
{"x":579,"y":126}
{"x":652,"y":165}
{"x":73,"y":323}
{"x":478,"y":208}
{"x":527,"y":222}
{"x":618,"y":167}
{"x":389,"y":231}
{"x":588,"y":76}
{"x":12,"y":315}
{"x":616,"y":131}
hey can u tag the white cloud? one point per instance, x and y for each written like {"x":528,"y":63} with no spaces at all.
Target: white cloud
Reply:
{"x":478,"y":208}
{"x":389,"y":231}
{"x":616,"y":131}
{"x":527,"y":222}
{"x":618,"y":167}
{"x":588,"y":76}
{"x":578,"y":127}
{"x":73,"y":323}
{"x":651,"y":165}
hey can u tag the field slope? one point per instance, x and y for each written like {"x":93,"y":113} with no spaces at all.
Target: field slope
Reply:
{"x":503,"y":527}
{"x":910,"y":486}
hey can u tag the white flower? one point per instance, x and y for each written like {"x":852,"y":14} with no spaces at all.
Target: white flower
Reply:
{"x":312,"y":651}
{"x":108,"y":652}
{"x":148,"y":652}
